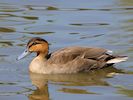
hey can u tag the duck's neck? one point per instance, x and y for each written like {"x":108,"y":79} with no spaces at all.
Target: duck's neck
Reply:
{"x":42,"y":56}
{"x":39,"y":63}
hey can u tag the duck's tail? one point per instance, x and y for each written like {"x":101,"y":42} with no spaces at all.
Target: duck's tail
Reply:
{"x":117,"y":60}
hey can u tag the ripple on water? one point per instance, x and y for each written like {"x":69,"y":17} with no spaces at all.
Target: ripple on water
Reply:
{"x":30,"y":17}
{"x":7,"y":83}
{"x":10,"y":90}
{"x":89,"y":24}
{"x":6,"y":43}
{"x":38,"y":33}
{"x":75,"y":91}
{"x":7,"y":29}
{"x":5,"y":7}
{"x":12,"y":15}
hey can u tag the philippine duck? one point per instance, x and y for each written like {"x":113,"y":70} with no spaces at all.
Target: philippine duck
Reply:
{"x":69,"y":59}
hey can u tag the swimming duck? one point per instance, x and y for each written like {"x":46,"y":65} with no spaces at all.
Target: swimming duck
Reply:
{"x":67,"y":60}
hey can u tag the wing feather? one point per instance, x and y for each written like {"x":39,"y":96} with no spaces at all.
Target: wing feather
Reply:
{"x":65,"y":55}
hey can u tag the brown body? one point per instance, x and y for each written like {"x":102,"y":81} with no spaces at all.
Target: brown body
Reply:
{"x":69,"y":59}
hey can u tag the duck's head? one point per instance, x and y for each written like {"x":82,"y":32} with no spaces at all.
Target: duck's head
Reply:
{"x":36,"y":44}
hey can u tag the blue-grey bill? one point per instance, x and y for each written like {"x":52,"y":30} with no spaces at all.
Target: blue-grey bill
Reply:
{"x":24,"y":54}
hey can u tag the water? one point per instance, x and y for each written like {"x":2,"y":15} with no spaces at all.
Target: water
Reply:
{"x":102,"y":23}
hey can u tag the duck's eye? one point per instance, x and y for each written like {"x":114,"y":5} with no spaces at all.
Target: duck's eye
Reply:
{"x":34,"y":43}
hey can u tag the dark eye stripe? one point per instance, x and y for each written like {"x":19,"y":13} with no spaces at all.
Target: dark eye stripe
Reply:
{"x":34,"y":43}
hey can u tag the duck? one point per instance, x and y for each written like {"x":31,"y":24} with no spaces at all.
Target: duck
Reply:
{"x":67,"y":60}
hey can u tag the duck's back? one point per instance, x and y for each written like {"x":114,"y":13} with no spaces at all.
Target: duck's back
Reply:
{"x":78,"y":58}
{"x":70,"y":53}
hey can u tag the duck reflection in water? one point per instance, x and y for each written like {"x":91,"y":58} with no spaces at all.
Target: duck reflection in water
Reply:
{"x":93,"y":78}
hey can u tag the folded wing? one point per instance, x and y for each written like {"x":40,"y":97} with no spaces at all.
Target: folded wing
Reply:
{"x":68,"y":54}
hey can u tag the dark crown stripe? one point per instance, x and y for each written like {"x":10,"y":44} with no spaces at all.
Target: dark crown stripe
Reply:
{"x":36,"y":39}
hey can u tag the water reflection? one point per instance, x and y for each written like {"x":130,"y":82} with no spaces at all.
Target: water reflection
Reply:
{"x":40,"y":93}
{"x":127,"y":92}
{"x":94,"y":78}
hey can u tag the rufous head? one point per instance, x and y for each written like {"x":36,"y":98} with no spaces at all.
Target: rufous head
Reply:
{"x":37,"y":45}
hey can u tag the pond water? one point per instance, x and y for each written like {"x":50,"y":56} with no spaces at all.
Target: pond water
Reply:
{"x":102,"y":23}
